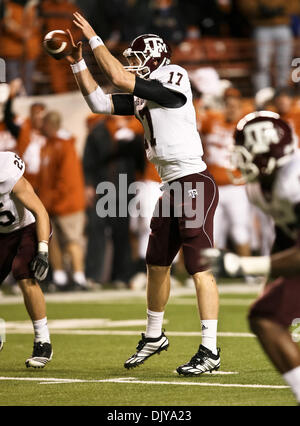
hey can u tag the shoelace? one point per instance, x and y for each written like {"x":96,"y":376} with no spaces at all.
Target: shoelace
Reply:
{"x":142,"y":342}
{"x":199,"y":358}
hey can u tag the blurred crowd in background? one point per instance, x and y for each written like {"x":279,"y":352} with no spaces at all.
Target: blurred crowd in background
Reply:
{"x":270,"y":24}
{"x":238,"y":54}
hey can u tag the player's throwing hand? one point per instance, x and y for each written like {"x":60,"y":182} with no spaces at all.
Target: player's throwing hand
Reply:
{"x":83,"y":24}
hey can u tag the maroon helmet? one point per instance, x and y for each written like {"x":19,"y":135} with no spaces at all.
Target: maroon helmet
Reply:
{"x":151,"y":51}
{"x":263,"y":142}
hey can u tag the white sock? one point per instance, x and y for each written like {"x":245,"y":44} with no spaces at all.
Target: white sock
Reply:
{"x":154,"y":323}
{"x":209,"y":335}
{"x":41,"y":332}
{"x":79,"y":278}
{"x":60,"y":277}
{"x":292,"y":378}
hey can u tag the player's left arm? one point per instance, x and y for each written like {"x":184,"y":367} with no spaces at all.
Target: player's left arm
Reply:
{"x":286,"y":263}
{"x":24,"y":192}
{"x":111,"y":67}
{"x":124,"y":80}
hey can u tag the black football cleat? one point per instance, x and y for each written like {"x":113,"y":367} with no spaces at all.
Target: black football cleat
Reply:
{"x":147,"y":347}
{"x":202,"y":362}
{"x":41,"y":355}
{"x":1,"y":344}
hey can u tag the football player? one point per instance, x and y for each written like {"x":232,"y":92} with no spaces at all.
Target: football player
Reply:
{"x":24,"y":236}
{"x":159,"y":95}
{"x":266,"y":153}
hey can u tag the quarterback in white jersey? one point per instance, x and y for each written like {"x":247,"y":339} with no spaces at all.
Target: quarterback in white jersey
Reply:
{"x":24,"y":237}
{"x":159,"y":94}
{"x":172,"y":140}
{"x":266,"y":153}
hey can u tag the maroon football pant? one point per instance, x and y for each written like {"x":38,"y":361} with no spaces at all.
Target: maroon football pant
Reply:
{"x":17,"y":250}
{"x":188,"y":223}
{"x":280,"y":302}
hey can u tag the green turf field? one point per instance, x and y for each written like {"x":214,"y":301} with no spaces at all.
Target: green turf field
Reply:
{"x":92,"y":339}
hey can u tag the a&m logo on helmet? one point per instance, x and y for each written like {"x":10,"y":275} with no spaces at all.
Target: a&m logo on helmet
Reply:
{"x":155,"y":46}
{"x":263,"y":142}
{"x":259,"y":136}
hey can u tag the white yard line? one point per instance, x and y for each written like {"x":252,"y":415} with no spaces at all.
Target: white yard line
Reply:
{"x":115,"y":295}
{"x":133,"y":381}
{"x":102,"y":327}
{"x":137,"y":333}
{"x":126,"y":333}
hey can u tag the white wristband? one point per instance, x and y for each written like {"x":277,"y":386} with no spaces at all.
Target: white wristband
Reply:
{"x":43,"y":247}
{"x":95,"y":42}
{"x":79,"y":66}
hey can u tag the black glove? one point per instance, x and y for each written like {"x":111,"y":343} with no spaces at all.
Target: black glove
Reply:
{"x":270,"y":12}
{"x":40,"y":266}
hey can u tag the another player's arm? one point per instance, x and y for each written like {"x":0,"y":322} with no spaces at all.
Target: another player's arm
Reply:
{"x":24,"y":192}
{"x":284,"y":263}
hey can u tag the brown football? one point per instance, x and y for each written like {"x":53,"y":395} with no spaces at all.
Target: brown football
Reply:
{"x":57,"y":44}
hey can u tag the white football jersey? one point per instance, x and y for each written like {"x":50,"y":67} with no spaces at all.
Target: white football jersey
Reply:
{"x":285,"y":195}
{"x":172,"y":140}
{"x":13,"y":215}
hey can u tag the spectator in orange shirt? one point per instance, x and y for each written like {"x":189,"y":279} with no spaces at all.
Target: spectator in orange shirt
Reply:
{"x":58,"y":15}
{"x":21,"y":40}
{"x":61,"y":187}
{"x":287,"y":109}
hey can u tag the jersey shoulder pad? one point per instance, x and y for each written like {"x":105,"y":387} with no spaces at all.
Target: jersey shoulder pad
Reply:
{"x":11,"y":170}
{"x":287,"y":185}
{"x":173,"y":77}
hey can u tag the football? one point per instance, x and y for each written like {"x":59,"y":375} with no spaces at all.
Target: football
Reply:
{"x":57,"y":44}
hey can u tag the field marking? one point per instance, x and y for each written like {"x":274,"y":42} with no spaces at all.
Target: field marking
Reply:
{"x":223,"y":302}
{"x":113,"y":296}
{"x":86,"y":326}
{"x":80,"y":327}
{"x":78,"y":323}
{"x":137,"y":333}
{"x":216,"y":373}
{"x":132,"y":380}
